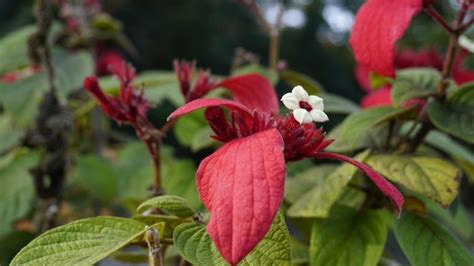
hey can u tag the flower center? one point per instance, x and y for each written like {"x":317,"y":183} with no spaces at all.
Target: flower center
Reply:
{"x":306,"y":106}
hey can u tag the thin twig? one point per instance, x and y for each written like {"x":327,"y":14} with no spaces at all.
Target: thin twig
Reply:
{"x":429,"y":9}
{"x":446,"y":73}
{"x":40,"y":50}
{"x":273,"y":31}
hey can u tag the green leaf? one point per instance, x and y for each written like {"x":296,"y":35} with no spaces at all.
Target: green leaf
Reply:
{"x":97,"y":175}
{"x":431,"y":177}
{"x":456,"y":218}
{"x":178,"y":179}
{"x":16,"y":188}
{"x":356,"y":239}
{"x":299,"y":252}
{"x":456,"y":115}
{"x":202,"y":139}
{"x":21,"y":98}
{"x":415,"y":83}
{"x":294,"y":78}
{"x":134,"y":171}
{"x":299,"y":184}
{"x":358,"y":125}
{"x":187,"y":127}
{"x":449,"y":146}
{"x":82,"y":242}
{"x":325,"y":191}
{"x":270,"y":74}
{"x":170,"y":204}
{"x":14,"y":47}
{"x":377,"y":81}
{"x":195,"y":245}
{"x":337,"y":104}
{"x":9,"y":134}
{"x":426,"y":243}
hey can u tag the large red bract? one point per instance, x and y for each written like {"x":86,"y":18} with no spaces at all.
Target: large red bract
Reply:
{"x":378,"y":26}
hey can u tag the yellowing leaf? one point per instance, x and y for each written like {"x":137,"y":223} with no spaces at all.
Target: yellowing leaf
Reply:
{"x":431,"y":177}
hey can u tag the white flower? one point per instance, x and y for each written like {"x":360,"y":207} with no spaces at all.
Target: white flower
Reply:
{"x":306,"y":108}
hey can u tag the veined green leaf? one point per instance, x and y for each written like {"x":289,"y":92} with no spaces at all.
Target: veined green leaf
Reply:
{"x":299,"y":184}
{"x":170,"y":204}
{"x":415,"y":83}
{"x":426,"y":243}
{"x":359,"y":124}
{"x":456,"y":115}
{"x":326,"y":190}
{"x":431,"y":177}
{"x":355,"y":239}
{"x":195,"y":245}
{"x":83,"y":242}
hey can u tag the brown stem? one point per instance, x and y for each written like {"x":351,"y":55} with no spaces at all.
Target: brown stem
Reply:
{"x":156,"y":190}
{"x":448,"y":65}
{"x":429,"y":9}
{"x":154,"y":247}
{"x":446,"y":75}
{"x":391,"y":126}
{"x":39,"y":47}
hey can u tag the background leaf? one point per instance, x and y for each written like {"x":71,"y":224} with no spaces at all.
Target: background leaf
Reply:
{"x":97,"y":175}
{"x":70,"y":70}
{"x":16,"y":188}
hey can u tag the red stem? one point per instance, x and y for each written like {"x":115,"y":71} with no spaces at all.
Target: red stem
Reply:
{"x":386,"y":187}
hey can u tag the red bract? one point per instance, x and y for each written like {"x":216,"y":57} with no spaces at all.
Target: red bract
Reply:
{"x":129,"y":106}
{"x":242,"y":182}
{"x":242,"y":186}
{"x":378,"y":26}
{"x":109,"y":61}
{"x":380,"y":97}
{"x":252,"y":90}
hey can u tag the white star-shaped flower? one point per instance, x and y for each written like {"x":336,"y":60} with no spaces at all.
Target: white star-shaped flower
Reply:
{"x":306,"y":108}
